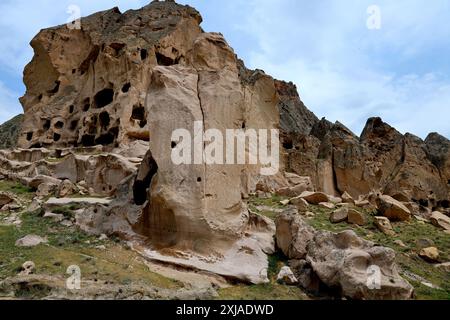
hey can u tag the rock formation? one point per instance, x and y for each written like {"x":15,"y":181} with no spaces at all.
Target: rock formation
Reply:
{"x":9,"y":132}
{"x":101,"y":107}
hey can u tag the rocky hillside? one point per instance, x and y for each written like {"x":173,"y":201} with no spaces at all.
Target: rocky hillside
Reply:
{"x":9,"y":132}
{"x":94,"y":181}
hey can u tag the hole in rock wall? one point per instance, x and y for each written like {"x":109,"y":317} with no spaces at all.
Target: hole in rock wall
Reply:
{"x":126,"y":87}
{"x":73,"y":125}
{"x":162,"y":60}
{"x":59,"y":125}
{"x":40,"y":97}
{"x":29,"y":136}
{"x":46,"y":124}
{"x":144,"y":54}
{"x":173,"y":145}
{"x":74,"y":70}
{"x":86,"y":104}
{"x":55,"y":89}
{"x":88,"y":140}
{"x":103,"y":98}
{"x":444,"y":204}
{"x":146,"y":172}
{"x":142,"y":123}
{"x":288,"y":144}
{"x":71,"y":109}
{"x":105,"y":139}
{"x":448,"y":181}
{"x":138,"y":113}
{"x":56,"y":137}
{"x":199,"y":179}
{"x":104,"y":119}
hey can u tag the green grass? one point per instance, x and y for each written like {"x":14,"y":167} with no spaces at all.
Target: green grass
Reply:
{"x":269,"y":291}
{"x":16,"y":188}
{"x":272,"y":202}
{"x":70,"y":246}
{"x":407,"y":258}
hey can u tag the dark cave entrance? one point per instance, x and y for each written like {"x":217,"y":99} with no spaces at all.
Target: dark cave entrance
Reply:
{"x":142,"y":183}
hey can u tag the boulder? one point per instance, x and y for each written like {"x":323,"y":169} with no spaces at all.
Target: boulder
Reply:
{"x":440,"y":220}
{"x":356,"y":217}
{"x":444,"y":267}
{"x":339,"y":215}
{"x":30,"y":241}
{"x":27,"y":268}
{"x":5,"y":198}
{"x":393,"y":209}
{"x":286,"y":276}
{"x":327,"y":205}
{"x":66,"y":188}
{"x":430,"y":254}
{"x":46,"y":189}
{"x":300,"y":203}
{"x":347,"y":198}
{"x":384,"y":225}
{"x":40,"y":179}
{"x":358,"y":267}
{"x":314,"y":197}
{"x":293,"y":235}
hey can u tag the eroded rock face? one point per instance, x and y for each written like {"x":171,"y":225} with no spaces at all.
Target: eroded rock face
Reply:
{"x":87,"y":87}
{"x":343,"y":260}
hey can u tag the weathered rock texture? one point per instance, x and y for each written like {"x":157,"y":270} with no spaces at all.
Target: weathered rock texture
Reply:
{"x":125,"y":81}
{"x":382,"y":159}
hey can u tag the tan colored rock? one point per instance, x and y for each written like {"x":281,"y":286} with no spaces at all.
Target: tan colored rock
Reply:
{"x":400,"y":243}
{"x":314,"y":197}
{"x":286,"y":276}
{"x":344,"y":260}
{"x":66,"y":188}
{"x":347,"y":198}
{"x":300,"y":203}
{"x":339,"y":215}
{"x":440,"y":220}
{"x":327,"y":205}
{"x":293,"y":235}
{"x":402,"y":197}
{"x":393,"y":209}
{"x":30,"y":241}
{"x":384,"y":225}
{"x":46,"y":189}
{"x":5,"y":198}
{"x":40,"y":179}
{"x":356,"y":217}
{"x":430,"y":254}
{"x":362,"y":203}
{"x":28,"y":268}
{"x":444,"y":266}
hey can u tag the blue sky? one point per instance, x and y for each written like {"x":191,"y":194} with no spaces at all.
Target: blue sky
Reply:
{"x":344,"y":71}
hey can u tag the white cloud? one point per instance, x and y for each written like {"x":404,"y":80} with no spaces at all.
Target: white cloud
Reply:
{"x":348,"y":73}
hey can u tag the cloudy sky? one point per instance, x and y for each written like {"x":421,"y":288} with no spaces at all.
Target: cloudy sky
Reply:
{"x":343,"y":69}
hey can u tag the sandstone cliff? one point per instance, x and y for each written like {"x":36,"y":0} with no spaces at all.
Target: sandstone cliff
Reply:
{"x":122,"y":84}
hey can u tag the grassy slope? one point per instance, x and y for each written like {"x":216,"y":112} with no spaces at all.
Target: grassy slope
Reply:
{"x":408,"y":232}
{"x":9,"y":132}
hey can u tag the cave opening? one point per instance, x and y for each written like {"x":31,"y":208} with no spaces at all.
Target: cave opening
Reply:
{"x":56,"y":137}
{"x":104,"y":119}
{"x":144,"y":178}
{"x":103,"y":98}
{"x":126,"y":87}
{"x":138,"y":113}
{"x":46,"y":124}
{"x":288,"y":144}
{"x":162,"y":60}
{"x":144,"y":54}
{"x":444,"y":204}
{"x":55,"y":88}
{"x":29,"y":136}
{"x":59,"y":125}
{"x":71,"y":108}
{"x":105,"y":139}
{"x":73,"y":125}
{"x":88,"y":140}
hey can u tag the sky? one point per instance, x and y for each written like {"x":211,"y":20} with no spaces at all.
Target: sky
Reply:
{"x":350,"y":60}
